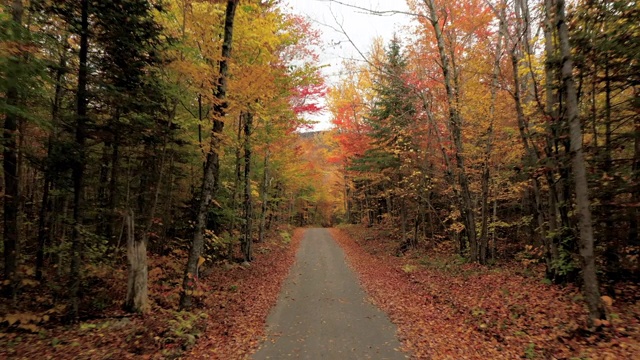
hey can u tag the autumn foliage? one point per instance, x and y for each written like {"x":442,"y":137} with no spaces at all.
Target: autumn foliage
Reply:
{"x":487,"y":156}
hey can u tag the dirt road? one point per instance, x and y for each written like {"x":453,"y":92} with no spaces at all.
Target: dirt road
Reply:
{"x":323,"y":313}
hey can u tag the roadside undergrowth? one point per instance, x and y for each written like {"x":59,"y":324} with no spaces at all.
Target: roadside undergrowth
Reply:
{"x":231,"y":305}
{"x":447,"y":309}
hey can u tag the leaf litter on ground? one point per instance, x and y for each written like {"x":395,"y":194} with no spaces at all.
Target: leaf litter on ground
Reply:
{"x":227,"y":321}
{"x":447,"y":309}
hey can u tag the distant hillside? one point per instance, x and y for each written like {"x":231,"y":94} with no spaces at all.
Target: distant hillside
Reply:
{"x":313,"y":134}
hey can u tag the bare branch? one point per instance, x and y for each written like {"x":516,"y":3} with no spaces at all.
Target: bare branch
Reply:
{"x":372,"y":11}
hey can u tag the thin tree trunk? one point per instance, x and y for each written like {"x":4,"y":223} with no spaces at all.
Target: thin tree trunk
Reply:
{"x":591,"y":289}
{"x":493,"y":233}
{"x":635,"y":209}
{"x":486,"y":176}
{"x":265,"y":195}
{"x":63,"y":234}
{"x":403,"y":222}
{"x":79,"y":163}
{"x":608,"y":158}
{"x":212,"y":167}
{"x":247,"y":238}
{"x":11,"y":233}
{"x":103,"y":185}
{"x":557,"y":205}
{"x":236,"y":188}
{"x":347,"y":195}
{"x":44,"y":225}
{"x":168,"y":206}
{"x":532,"y":154}
{"x":113,"y":192}
{"x":44,"y":221}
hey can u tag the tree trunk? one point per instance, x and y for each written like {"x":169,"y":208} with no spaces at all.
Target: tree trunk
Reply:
{"x":212,"y":166}
{"x":591,"y":289}
{"x":103,"y":185}
{"x":113,"y":192}
{"x":635,"y":198}
{"x":167,"y":218}
{"x":137,"y":288}
{"x":137,"y":244}
{"x":44,"y":225}
{"x":247,"y":238}
{"x":532,"y":153}
{"x":265,"y":195}
{"x":347,"y":197}
{"x":79,"y":163}
{"x":486,"y":176}
{"x":44,"y":221}
{"x":558,"y":199}
{"x":236,"y":188}
{"x":403,"y":221}
{"x":11,"y":234}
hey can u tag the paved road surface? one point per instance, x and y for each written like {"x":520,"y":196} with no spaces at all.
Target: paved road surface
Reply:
{"x":323,"y":313}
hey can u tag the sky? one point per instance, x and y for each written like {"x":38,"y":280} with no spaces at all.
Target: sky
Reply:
{"x":330,"y":17}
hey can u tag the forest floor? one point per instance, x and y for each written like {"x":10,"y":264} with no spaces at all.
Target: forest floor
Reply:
{"x":227,"y":321}
{"x":448,"y":309}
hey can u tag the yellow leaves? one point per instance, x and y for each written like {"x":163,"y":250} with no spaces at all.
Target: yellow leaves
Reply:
{"x":409,"y":268}
{"x":25,"y":321}
{"x":201,"y":261}
{"x":29,"y":282}
{"x":12,"y":319}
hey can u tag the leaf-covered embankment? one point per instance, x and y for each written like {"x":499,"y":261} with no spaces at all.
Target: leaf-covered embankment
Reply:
{"x":448,"y":310}
{"x":237,"y":321}
{"x":231,"y":306}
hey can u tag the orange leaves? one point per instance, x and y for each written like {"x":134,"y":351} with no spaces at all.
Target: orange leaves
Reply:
{"x":607,"y":300}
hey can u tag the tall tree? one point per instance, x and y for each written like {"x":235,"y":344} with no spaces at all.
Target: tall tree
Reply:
{"x":79,"y":162}
{"x":247,"y":234}
{"x":391,"y":122}
{"x":11,"y":235}
{"x":589,"y":275}
{"x":212,"y":166}
{"x":455,"y":126}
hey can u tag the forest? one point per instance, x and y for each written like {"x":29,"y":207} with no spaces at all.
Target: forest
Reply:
{"x":159,"y":164}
